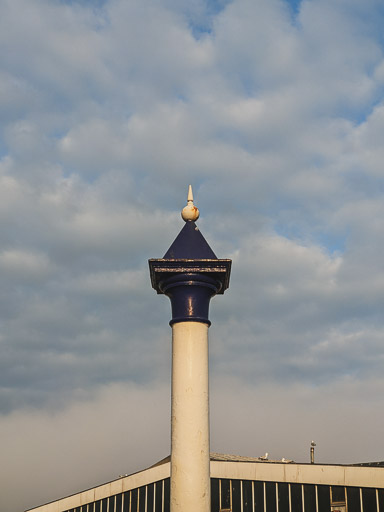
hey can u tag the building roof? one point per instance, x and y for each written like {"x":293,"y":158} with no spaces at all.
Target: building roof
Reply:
{"x":224,"y":457}
{"x":242,"y":458}
{"x":236,"y":467}
{"x":379,"y":464}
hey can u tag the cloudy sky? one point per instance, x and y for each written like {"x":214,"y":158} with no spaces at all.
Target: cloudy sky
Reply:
{"x":274,"y":111}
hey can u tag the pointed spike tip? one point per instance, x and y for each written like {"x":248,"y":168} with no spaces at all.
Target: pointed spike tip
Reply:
{"x":190,"y":212}
{"x":190,"y":194}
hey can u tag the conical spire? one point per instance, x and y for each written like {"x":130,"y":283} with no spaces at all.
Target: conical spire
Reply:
{"x":190,"y":245}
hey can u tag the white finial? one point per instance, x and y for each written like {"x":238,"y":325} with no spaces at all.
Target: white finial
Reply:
{"x":190,"y":194}
{"x":190,"y":212}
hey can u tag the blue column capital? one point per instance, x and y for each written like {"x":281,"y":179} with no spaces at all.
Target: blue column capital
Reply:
{"x":190,"y":285}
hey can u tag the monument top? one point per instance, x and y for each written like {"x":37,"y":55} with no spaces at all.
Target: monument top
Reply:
{"x":190,"y":272}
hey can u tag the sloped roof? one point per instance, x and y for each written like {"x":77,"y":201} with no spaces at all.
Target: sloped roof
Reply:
{"x":225,"y":457}
{"x":242,"y":458}
{"x":190,"y":245}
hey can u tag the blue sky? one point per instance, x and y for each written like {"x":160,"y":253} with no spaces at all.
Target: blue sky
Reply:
{"x":274,"y":112}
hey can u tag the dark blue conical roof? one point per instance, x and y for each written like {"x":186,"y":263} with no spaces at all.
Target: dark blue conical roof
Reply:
{"x":190,"y":245}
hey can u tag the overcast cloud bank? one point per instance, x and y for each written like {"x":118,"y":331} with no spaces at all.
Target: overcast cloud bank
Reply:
{"x":274,"y":111}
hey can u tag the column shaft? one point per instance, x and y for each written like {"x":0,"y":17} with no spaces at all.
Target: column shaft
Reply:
{"x":190,"y":463}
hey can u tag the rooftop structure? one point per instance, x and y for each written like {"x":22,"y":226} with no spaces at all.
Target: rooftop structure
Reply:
{"x":241,"y":484}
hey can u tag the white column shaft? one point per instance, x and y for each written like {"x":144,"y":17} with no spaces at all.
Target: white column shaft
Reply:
{"x":190,"y":463}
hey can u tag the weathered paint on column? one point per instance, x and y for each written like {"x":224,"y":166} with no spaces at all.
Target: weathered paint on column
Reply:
{"x":190,"y":474}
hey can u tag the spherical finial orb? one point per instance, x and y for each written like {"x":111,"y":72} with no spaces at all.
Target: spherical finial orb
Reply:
{"x":190,"y":212}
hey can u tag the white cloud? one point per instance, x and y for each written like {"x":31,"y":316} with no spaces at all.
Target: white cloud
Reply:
{"x":115,"y":284}
{"x":112,"y":434}
{"x":20,"y":265}
{"x":283,"y":421}
{"x":109,"y":112}
{"x":106,"y":437}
